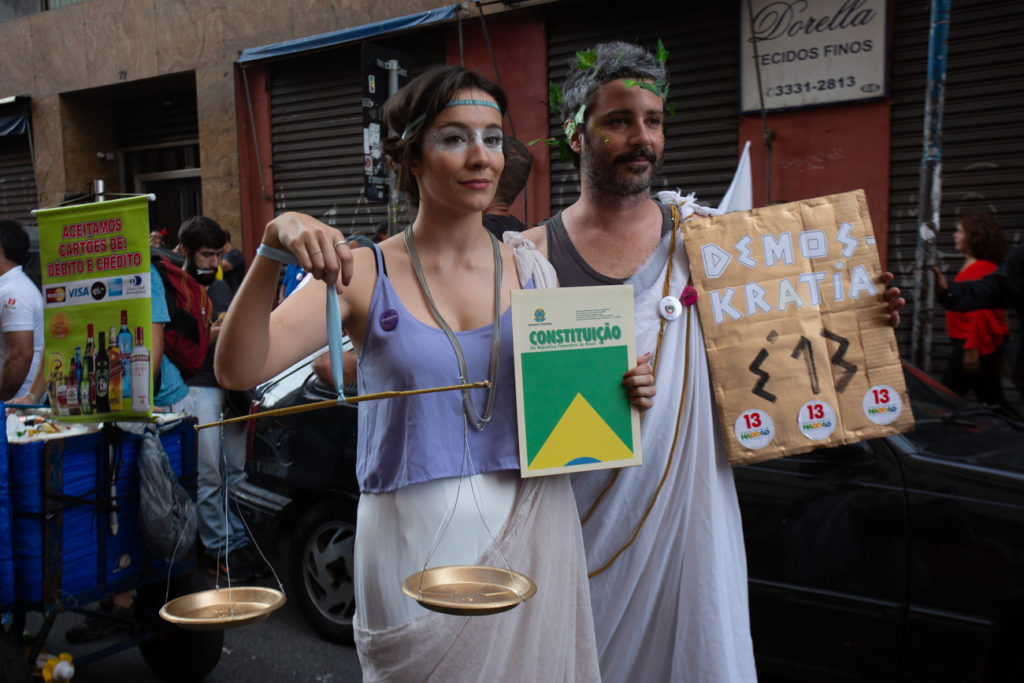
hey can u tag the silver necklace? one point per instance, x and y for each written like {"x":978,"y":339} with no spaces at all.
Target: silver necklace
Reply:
{"x":478,"y":421}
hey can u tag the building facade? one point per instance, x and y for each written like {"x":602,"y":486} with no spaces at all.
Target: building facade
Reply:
{"x":245,"y":109}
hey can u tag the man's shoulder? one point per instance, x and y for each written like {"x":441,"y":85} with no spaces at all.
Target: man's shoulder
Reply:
{"x":20,"y":288}
{"x":538,"y":234}
{"x":235,"y":257}
{"x":220,"y":293}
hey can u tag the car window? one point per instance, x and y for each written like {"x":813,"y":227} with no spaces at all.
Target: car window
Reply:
{"x":950,"y":427}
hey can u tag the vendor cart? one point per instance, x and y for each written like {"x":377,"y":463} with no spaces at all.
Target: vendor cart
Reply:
{"x":70,"y":535}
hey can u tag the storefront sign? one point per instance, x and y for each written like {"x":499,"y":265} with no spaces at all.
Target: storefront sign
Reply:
{"x":800,"y":345}
{"x":97,"y":316}
{"x":572,"y":346}
{"x":812,"y":52}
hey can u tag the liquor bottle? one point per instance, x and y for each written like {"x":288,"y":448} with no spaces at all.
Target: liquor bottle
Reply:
{"x":62,"y":395}
{"x":72,"y":393}
{"x":90,"y":364}
{"x":124,"y":345}
{"x":102,"y":376}
{"x":86,"y":390}
{"x":114,"y":362}
{"x":79,"y":368}
{"x":140,"y":374}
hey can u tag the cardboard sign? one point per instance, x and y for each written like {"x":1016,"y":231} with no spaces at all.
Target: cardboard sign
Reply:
{"x":96,"y":298}
{"x":572,"y":346}
{"x":801,"y":349}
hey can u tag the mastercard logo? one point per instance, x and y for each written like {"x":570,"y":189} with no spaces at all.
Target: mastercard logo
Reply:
{"x":60,"y":326}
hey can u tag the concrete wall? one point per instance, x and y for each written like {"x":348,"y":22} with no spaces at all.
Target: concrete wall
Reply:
{"x":826,"y":150}
{"x":109,"y":42}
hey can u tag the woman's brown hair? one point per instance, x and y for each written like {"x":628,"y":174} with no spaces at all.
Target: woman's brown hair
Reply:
{"x":983,"y":236}
{"x":411,"y":110}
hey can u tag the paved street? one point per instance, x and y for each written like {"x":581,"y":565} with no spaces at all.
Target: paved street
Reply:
{"x":282,"y":648}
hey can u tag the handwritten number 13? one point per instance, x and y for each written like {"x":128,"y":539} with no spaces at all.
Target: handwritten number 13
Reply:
{"x":806,"y":349}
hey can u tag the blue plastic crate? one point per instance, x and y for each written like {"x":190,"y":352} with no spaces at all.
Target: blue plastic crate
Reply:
{"x":64,"y":549}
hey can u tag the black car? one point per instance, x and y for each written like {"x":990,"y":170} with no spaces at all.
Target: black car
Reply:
{"x":301,"y":485}
{"x":899,"y":558}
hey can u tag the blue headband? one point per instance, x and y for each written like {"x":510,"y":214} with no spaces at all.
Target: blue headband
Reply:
{"x":454,"y":103}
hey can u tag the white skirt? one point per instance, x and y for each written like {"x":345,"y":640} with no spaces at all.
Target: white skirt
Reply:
{"x":398,"y":530}
{"x":548,"y":638}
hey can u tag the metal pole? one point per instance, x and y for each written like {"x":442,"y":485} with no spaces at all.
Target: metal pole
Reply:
{"x":930,"y":189}
{"x":393,"y":199}
{"x":769,"y":135}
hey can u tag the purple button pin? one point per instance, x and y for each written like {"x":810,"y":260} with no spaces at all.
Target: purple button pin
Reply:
{"x":388,"y":319}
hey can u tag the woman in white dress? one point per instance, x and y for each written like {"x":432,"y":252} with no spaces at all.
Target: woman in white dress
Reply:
{"x":418,"y":454}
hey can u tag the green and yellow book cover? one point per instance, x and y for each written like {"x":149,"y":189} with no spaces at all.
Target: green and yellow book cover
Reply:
{"x":572,"y":346}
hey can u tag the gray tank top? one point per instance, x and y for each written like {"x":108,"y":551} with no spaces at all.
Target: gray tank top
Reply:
{"x":572,"y":270}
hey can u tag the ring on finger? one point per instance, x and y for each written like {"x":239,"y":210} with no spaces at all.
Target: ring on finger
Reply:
{"x":339,"y":242}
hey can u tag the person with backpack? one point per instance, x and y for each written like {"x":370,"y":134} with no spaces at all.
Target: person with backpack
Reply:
{"x":221,"y":449}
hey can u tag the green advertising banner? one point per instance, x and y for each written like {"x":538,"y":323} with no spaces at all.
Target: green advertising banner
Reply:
{"x":97,"y":313}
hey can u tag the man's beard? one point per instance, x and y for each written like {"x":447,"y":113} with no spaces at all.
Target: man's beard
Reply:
{"x":610,"y":176}
{"x":205,"y":277}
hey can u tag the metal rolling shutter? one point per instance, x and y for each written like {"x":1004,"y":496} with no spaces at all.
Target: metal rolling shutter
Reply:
{"x":17,"y":179}
{"x":701,"y":144}
{"x":983,"y":141}
{"x":317,"y":132}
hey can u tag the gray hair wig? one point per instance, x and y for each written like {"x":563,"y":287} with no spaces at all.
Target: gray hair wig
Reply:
{"x":613,"y":61}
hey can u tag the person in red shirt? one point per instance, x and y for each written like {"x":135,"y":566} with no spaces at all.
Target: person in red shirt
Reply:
{"x":978,"y":336}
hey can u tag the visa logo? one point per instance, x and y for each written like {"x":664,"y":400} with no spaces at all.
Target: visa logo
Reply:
{"x":78,"y":291}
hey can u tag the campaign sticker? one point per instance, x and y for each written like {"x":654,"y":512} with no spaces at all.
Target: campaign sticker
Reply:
{"x":816,"y":420}
{"x":882,"y":404}
{"x":754,"y":429}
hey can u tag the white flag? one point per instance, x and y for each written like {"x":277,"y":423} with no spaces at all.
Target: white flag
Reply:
{"x":740,"y":195}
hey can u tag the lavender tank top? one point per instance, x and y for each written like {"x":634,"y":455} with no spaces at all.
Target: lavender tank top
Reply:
{"x":412,"y":439}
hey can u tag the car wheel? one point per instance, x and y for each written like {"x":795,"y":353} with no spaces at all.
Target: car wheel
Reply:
{"x":321,"y":571}
{"x":176,"y":654}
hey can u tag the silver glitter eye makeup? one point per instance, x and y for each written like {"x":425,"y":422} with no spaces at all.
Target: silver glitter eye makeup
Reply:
{"x":456,"y":139}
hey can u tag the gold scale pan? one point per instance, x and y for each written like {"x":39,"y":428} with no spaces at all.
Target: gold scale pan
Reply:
{"x":222,"y":608}
{"x":463,"y":590}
